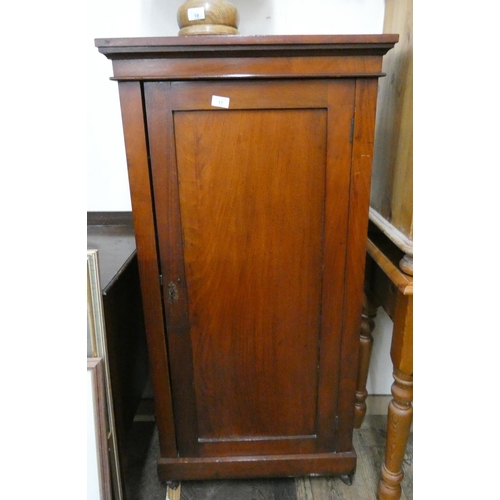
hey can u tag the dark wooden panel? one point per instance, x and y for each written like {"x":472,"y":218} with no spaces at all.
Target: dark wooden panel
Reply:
{"x":359,"y":198}
{"x":251,"y":256}
{"x":166,"y":191}
{"x":198,"y":57}
{"x":258,"y":446}
{"x":270,"y":67}
{"x":253,"y":253}
{"x":338,"y":164}
{"x":218,"y":46}
{"x":131,"y":100}
{"x":249,"y":94}
{"x":126,"y":345}
{"x":262,"y":466}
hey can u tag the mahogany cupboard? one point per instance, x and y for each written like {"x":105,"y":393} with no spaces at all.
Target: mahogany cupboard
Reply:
{"x":249,"y":162}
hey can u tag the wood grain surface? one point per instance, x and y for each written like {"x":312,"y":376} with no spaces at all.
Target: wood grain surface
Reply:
{"x":142,"y":210}
{"x":246,"y":57}
{"x":251,"y":229}
{"x":220,"y":17}
{"x":253,"y":253}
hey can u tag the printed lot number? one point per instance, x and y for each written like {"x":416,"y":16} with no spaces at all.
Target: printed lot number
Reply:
{"x":220,"y":102}
{"x":196,"y":13}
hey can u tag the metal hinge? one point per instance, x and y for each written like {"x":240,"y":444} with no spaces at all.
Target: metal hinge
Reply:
{"x":172,"y":292}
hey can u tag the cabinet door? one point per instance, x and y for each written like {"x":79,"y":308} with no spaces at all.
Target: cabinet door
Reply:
{"x":251,"y":183}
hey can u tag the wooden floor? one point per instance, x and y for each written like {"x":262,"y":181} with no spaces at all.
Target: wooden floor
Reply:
{"x":369,"y":442}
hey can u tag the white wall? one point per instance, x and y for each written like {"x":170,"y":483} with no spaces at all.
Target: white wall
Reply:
{"x":380,"y":374}
{"x":107,"y":183}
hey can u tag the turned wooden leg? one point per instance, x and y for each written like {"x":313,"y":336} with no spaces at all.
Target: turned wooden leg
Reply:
{"x":365,"y":350}
{"x":398,"y":429}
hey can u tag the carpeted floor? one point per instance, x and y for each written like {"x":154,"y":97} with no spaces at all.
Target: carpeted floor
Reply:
{"x":141,"y":482}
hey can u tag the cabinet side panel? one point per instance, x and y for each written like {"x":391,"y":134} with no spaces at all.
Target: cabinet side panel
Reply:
{"x":166,"y":198}
{"x":252,"y":194}
{"x":364,"y":122}
{"x":340,"y":115}
{"x":144,"y":227}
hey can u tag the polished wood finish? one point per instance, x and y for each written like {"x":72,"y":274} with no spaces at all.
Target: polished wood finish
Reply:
{"x":211,"y":46}
{"x":398,"y":429}
{"x":227,"y":241}
{"x":144,"y":227}
{"x":366,"y":94}
{"x":365,"y":349}
{"x":270,"y":220}
{"x":219,"y":17}
{"x":284,"y":465}
{"x":387,"y":286}
{"x":243,"y":57}
{"x":252,"y":226}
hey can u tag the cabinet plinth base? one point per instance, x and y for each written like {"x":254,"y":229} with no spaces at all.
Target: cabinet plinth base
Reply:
{"x":321,"y":464}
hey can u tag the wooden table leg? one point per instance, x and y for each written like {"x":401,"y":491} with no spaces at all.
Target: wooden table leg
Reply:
{"x":400,"y":412}
{"x":365,"y":349}
{"x":399,"y":420}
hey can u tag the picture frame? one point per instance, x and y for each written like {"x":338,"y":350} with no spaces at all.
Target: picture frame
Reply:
{"x":98,"y":461}
{"x":96,"y":348}
{"x":96,"y":345}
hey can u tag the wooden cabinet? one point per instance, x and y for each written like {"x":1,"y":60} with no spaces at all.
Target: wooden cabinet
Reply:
{"x":249,"y":163}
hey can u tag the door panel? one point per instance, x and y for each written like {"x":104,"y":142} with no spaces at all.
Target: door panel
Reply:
{"x":256,"y":270}
{"x":252,"y":220}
